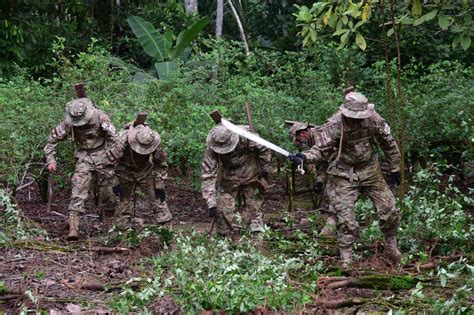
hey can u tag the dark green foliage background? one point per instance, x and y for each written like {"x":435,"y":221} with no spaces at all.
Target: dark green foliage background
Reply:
{"x":297,"y":86}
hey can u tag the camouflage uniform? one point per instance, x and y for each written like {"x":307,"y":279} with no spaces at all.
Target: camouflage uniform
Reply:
{"x":90,"y":130}
{"x":141,"y":163}
{"x":319,"y":170}
{"x":231,"y":170}
{"x":357,"y":169}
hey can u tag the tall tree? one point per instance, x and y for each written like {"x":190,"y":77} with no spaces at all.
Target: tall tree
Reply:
{"x":219,"y":18}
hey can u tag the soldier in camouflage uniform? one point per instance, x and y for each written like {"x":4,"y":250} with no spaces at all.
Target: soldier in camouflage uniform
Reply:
{"x":303,"y":135}
{"x":90,"y":130}
{"x":233,"y":168}
{"x":354,"y":131}
{"x":141,"y":162}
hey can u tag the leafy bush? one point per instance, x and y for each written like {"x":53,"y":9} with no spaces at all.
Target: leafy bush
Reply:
{"x":13,"y":226}
{"x":213,"y":274}
{"x":433,"y":213}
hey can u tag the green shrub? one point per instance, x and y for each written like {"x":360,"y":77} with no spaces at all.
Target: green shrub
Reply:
{"x":213,"y":274}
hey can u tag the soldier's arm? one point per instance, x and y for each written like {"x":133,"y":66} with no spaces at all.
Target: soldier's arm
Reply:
{"x":116,"y":148}
{"x":209,"y":167}
{"x":263,"y":154}
{"x":107,"y":125}
{"x":59,"y":133}
{"x":326,"y":139}
{"x":387,"y":143}
{"x":160,"y":167}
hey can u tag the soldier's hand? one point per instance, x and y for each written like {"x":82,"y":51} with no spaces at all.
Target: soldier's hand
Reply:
{"x":118,"y":191}
{"x":296,"y":159}
{"x":318,"y":188}
{"x":395,"y":178}
{"x":160,"y":193}
{"x":52,"y":167}
{"x":214,"y":212}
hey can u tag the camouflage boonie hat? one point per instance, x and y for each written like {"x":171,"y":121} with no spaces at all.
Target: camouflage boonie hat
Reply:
{"x":79,"y":112}
{"x":298,"y":126}
{"x":143,"y":139}
{"x":221,"y":140}
{"x":356,"y":106}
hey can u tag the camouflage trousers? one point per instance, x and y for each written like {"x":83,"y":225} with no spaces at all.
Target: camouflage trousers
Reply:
{"x":143,"y":180}
{"x":249,"y":201}
{"x":342,"y":196}
{"x":89,"y":168}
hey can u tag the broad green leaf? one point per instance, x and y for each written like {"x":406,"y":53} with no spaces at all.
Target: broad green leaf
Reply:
{"x":341,"y":31}
{"x":360,"y":41}
{"x":187,"y":36}
{"x":443,"y":22}
{"x":406,"y":20}
{"x":467,"y":18}
{"x":416,"y":9}
{"x":358,"y":24}
{"x":390,"y":32}
{"x":465,"y":41}
{"x":344,"y":40}
{"x":419,"y":20}
{"x":151,"y":40}
{"x":164,"y":69}
{"x":431,"y":15}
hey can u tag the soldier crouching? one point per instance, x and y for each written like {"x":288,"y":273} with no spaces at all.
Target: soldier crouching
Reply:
{"x":90,"y":130}
{"x":141,"y":163}
{"x":233,"y":168}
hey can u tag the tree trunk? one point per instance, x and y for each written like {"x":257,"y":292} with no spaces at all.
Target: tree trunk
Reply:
{"x":241,"y":28}
{"x":401,"y":138}
{"x":219,"y":18}
{"x":191,"y":7}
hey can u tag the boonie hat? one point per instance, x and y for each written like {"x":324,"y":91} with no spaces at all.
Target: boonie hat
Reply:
{"x":356,"y":106}
{"x":221,"y":140}
{"x":79,"y":112}
{"x":143,"y":139}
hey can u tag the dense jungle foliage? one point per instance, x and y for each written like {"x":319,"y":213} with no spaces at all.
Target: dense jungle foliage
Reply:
{"x":49,"y":47}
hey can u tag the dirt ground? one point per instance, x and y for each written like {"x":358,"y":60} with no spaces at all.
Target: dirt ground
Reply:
{"x":61,"y":276}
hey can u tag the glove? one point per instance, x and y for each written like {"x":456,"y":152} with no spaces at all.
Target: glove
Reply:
{"x":318,"y":188}
{"x":160,"y":193}
{"x":296,"y":159}
{"x":395,"y":178}
{"x":263,"y":175}
{"x":118,"y":191}
{"x":214,"y":212}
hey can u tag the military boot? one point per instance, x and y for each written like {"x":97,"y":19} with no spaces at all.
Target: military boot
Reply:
{"x":73,"y":226}
{"x":346,"y":256}
{"x":329,"y":228}
{"x":391,"y":250}
{"x":164,"y":214}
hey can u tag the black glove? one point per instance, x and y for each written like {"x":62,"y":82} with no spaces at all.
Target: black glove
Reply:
{"x":296,"y":159}
{"x":213,"y":212}
{"x":263,"y":175}
{"x":160,"y":193}
{"x":395,"y":178}
{"x":318,"y":188}
{"x":118,"y":191}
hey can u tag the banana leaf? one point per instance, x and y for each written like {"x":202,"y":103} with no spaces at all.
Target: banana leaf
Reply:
{"x":154,"y":43}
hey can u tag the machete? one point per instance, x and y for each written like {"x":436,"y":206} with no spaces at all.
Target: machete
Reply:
{"x":217,"y":117}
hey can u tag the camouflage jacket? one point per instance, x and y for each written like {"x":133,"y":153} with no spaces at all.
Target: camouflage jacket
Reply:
{"x":87,"y":139}
{"x":130,"y":161}
{"x":358,"y":145}
{"x":239,"y":167}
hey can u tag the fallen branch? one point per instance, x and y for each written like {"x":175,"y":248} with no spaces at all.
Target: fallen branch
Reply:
{"x":381,"y":282}
{"x":110,"y":250}
{"x":339,"y":303}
